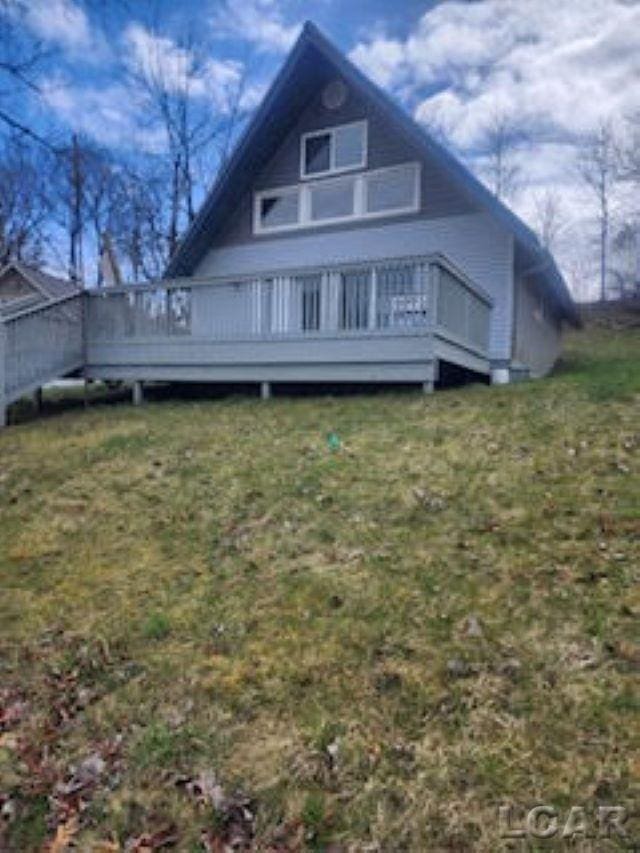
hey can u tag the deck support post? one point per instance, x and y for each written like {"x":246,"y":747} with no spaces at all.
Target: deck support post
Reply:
{"x":138,"y":393}
{"x":265,"y":390}
{"x":427,"y":387}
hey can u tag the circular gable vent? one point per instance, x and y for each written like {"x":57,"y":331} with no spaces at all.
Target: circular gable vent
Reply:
{"x":334,"y":95}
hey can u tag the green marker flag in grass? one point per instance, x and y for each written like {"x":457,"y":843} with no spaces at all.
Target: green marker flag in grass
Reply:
{"x":333,"y":441}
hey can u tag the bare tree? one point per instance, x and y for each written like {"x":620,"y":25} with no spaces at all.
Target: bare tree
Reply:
{"x":625,"y":261}
{"x":549,"y":217}
{"x":174,"y":79}
{"x":624,"y":271}
{"x":630,"y":150}
{"x":598,"y":166}
{"x":25,"y":205}
{"x":502,"y":139}
{"x":138,"y":226}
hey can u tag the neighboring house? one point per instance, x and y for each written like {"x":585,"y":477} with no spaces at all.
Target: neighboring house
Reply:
{"x":24,"y":287}
{"x":41,"y":331}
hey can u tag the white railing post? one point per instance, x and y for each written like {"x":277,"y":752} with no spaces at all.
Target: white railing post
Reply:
{"x":3,"y":377}
{"x":434,"y":288}
{"x":333,"y":288}
{"x":287,"y":289}
{"x":373,"y":297}
{"x":278,"y":302}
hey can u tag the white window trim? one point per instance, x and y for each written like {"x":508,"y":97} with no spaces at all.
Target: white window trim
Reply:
{"x":360,"y":201}
{"x":333,"y":170}
{"x":257,"y":204}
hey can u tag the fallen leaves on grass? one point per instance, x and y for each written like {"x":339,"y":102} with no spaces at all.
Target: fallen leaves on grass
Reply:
{"x":235,"y":813}
{"x":64,"y":837}
{"x":161,"y":839}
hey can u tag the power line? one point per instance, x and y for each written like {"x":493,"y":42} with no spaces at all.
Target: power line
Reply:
{"x":26,"y":131}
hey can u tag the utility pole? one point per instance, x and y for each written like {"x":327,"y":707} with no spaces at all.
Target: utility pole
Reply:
{"x":75,"y":232}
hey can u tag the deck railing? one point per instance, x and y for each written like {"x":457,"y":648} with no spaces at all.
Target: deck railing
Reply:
{"x":462,"y":313}
{"x":182,"y":322}
{"x":404,"y":296}
{"x":40,"y":343}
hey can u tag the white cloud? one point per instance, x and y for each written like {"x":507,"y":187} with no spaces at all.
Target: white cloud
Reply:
{"x":557,"y":66}
{"x":259,"y":22}
{"x":108,"y":115}
{"x":562,"y":63}
{"x":59,"y":21}
{"x":179,"y":68}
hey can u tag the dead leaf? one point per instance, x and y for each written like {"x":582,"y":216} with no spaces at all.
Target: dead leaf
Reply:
{"x":205,"y":789}
{"x":65,"y":834}
{"x":628,"y":651}
{"x":149,"y":841}
{"x":12,"y":713}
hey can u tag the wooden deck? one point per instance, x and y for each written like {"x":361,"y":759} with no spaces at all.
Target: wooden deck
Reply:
{"x":391,"y":321}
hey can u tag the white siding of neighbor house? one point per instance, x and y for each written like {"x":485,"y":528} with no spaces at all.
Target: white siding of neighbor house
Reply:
{"x":474,"y":242}
{"x":537,"y":330}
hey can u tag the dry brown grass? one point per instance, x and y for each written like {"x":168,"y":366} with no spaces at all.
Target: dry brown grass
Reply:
{"x":206,"y":586}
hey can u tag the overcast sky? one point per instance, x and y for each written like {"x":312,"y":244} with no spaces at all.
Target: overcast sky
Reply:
{"x":558,"y":67}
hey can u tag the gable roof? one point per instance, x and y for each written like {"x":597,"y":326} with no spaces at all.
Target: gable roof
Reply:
{"x":48,"y":286}
{"x":312,"y":59}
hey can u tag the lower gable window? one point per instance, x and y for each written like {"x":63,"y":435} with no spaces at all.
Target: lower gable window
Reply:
{"x":392,"y":189}
{"x":279,"y":209}
{"x":332,"y":199}
{"x":383,"y":192}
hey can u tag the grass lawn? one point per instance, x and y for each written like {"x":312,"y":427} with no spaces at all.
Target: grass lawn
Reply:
{"x":217,"y":627}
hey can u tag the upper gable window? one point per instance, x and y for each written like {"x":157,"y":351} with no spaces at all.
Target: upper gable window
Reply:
{"x":337,"y":149}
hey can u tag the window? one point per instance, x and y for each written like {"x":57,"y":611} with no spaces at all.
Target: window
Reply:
{"x":333,"y":199}
{"x":349,"y":146}
{"x":383,"y":192}
{"x":279,"y":209}
{"x":317,"y":154}
{"x":336,"y":149}
{"x":355,"y":297}
{"x":310,"y":302}
{"x":392,"y":189}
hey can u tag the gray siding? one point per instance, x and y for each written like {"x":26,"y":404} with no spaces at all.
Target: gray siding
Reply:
{"x":386,"y":147}
{"x":473,"y":242}
{"x":537,"y":330}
